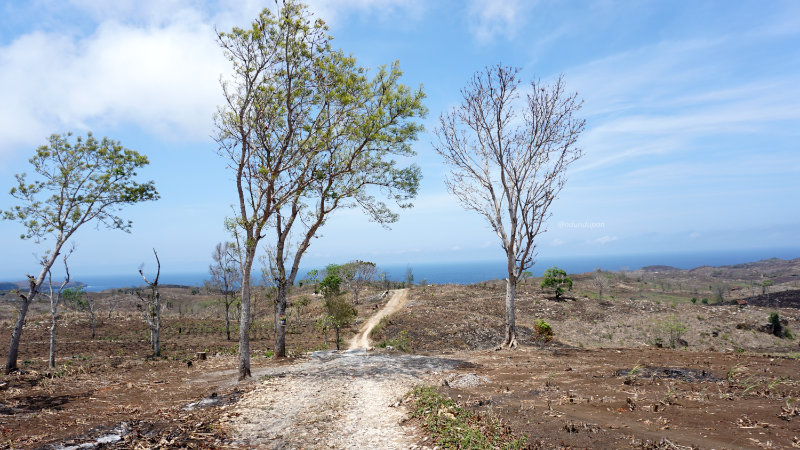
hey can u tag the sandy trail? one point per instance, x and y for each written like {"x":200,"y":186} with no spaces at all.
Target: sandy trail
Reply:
{"x":335,"y":399}
{"x":398,"y":300}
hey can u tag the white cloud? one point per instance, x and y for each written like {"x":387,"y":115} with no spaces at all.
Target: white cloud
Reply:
{"x":491,"y":18}
{"x":662,"y":99}
{"x":164,"y":80}
{"x":604,"y":240}
{"x":151,"y":64}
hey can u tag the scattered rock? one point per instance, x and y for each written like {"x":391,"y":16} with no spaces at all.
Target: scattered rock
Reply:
{"x":465,"y":380}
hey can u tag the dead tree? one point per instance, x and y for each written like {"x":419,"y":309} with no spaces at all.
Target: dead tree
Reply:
{"x":226,"y":277}
{"x":508,"y":158}
{"x":600,"y":281}
{"x":55,"y":300}
{"x":150,"y":306}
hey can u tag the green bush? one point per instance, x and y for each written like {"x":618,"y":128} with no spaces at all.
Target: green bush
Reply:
{"x":400,"y":342}
{"x":669,"y":330}
{"x":557,"y":280}
{"x":777,"y":327}
{"x":542,"y":330}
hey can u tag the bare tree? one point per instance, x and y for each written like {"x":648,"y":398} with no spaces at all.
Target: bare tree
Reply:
{"x":81,"y":302}
{"x":508,"y":158}
{"x":357,"y":275}
{"x":150,"y":306}
{"x":226,"y":277}
{"x":55,"y":299}
{"x":600,"y":281}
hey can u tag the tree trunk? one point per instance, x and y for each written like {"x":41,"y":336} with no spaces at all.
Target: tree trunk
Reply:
{"x":280,"y":309}
{"x":157,"y":331}
{"x":227,"y":320}
{"x":510,"y":339}
{"x":13,"y":350}
{"x":91,"y":314}
{"x":337,"y":337}
{"x":51,"y":362}
{"x":244,"y":316}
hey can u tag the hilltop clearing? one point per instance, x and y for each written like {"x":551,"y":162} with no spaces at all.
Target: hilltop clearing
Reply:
{"x":608,"y":377}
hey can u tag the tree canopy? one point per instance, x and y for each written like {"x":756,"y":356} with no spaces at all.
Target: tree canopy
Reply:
{"x":307,"y":132}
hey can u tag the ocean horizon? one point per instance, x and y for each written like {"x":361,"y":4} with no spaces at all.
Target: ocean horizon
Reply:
{"x":466,"y":272}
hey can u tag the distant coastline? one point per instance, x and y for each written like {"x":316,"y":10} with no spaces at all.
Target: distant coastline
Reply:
{"x":465,"y":272}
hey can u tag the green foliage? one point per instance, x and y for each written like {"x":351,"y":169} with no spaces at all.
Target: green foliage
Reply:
{"x":557,"y":280}
{"x":377,"y":330}
{"x":775,"y":321}
{"x":401,"y":342}
{"x":670,"y":330}
{"x":777,"y":327}
{"x":74,"y":297}
{"x":694,"y":300}
{"x":340,"y":311}
{"x":78,"y":180}
{"x":542,"y":330}
{"x":704,"y":301}
{"x":455,"y":427}
{"x":330,"y":286}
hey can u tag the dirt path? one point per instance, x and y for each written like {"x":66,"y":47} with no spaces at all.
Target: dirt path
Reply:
{"x":334,"y":399}
{"x":398,"y":300}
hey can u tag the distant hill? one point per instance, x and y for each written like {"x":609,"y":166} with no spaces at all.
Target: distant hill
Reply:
{"x":660,"y":269}
{"x":11,"y":285}
{"x":778,"y":270}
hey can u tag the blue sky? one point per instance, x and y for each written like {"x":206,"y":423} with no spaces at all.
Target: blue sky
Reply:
{"x":691,"y":142}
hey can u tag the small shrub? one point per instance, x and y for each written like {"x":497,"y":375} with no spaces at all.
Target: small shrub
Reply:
{"x":542,"y":330}
{"x":455,"y":427}
{"x":400,"y":342}
{"x":704,"y":301}
{"x":670,"y":329}
{"x":694,"y":299}
{"x":777,"y":326}
{"x":377,"y":330}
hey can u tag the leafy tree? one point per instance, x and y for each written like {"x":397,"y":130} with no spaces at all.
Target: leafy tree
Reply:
{"x":357,"y":275}
{"x":765,"y":285}
{"x":341,"y":314}
{"x":330,"y":286}
{"x":307,"y":132}
{"x":78,"y":181}
{"x":557,"y":280}
{"x":226,"y":278}
{"x":508,"y":158}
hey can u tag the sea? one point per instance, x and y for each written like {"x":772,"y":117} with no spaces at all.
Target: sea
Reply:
{"x":467,"y":272}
